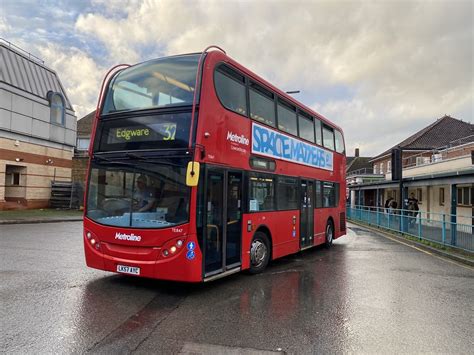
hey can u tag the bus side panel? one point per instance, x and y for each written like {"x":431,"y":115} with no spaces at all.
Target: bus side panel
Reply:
{"x":320,"y":218}
{"x":284,"y":234}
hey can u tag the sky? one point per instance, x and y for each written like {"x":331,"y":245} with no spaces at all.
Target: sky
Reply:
{"x":381,"y":70}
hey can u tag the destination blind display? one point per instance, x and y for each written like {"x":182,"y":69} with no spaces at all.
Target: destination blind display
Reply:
{"x":165,"y":131}
{"x":162,"y":131}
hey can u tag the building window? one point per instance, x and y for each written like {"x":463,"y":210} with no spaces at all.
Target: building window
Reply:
{"x":56,"y":103}
{"x":375,"y":169}
{"x":389,"y":167}
{"x":419,"y":195}
{"x":441,"y":196}
{"x":15,"y":179}
{"x":83,"y":143}
{"x":464,"y":196}
{"x":381,"y":168}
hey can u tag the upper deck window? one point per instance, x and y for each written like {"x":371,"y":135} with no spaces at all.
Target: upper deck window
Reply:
{"x":328,"y":137}
{"x":230,"y":88}
{"x":287,"y":118}
{"x":339,"y":142}
{"x":306,"y":126}
{"x":317,"y":130}
{"x":156,"y":83}
{"x":262,"y":105}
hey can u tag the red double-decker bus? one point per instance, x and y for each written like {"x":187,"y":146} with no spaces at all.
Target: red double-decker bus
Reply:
{"x":199,"y":169}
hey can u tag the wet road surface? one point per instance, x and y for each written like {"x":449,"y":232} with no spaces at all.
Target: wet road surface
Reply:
{"x":366,"y":294}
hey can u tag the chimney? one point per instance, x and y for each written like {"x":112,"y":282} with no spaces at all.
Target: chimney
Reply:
{"x":357,"y":152}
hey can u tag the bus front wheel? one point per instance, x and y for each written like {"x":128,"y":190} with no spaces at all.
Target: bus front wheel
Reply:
{"x":329,"y":234}
{"x":259,"y":253}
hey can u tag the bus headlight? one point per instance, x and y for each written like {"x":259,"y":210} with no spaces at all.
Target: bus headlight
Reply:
{"x":173,"y":246}
{"x":93,"y":240}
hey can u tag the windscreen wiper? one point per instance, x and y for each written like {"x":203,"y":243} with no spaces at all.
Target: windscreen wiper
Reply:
{"x":135,"y":156}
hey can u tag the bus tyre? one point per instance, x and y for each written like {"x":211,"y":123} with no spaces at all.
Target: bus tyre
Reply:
{"x":329,"y":234}
{"x":259,"y":253}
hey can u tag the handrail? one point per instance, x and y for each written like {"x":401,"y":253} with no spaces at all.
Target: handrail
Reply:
{"x":22,"y":51}
{"x":405,"y":211}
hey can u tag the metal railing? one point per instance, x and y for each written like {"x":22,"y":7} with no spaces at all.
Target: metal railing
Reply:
{"x":21,"y":50}
{"x":433,"y":227}
{"x":459,"y":148}
{"x":363,"y":171}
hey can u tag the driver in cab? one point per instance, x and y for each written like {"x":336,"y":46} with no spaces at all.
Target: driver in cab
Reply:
{"x":144,"y":198}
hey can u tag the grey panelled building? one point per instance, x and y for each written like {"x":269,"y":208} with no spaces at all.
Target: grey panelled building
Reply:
{"x":37,"y":130}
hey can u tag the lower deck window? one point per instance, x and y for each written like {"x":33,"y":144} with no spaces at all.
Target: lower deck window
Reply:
{"x":287,"y":193}
{"x":330,"y":194}
{"x":261,"y":194}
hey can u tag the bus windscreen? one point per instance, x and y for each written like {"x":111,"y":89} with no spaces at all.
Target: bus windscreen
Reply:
{"x":157,"y":83}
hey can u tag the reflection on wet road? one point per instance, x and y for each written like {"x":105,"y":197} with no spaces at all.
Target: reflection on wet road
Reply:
{"x":366,"y":294}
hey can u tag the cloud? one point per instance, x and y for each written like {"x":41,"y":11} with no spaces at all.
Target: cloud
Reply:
{"x":4,"y":26}
{"x":379,"y":69}
{"x":405,"y":63}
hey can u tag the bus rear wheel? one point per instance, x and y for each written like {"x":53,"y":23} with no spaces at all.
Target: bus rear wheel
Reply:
{"x":329,"y":234}
{"x":259,"y":253}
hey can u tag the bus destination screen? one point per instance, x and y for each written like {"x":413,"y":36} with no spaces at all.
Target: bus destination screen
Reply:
{"x":163,"y":131}
{"x":152,"y":132}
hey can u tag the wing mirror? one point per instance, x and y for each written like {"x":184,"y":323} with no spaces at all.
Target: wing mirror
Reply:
{"x":192,"y":173}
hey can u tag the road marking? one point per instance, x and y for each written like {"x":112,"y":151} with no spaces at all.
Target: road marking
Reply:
{"x":385,"y":235}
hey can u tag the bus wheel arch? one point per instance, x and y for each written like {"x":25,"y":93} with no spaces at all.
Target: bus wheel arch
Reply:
{"x":329,"y":232}
{"x":260,"y":250}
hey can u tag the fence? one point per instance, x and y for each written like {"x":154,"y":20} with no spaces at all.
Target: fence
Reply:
{"x":432,"y":227}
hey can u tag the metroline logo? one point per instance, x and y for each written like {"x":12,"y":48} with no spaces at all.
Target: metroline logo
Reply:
{"x":234,"y":137}
{"x":131,"y":237}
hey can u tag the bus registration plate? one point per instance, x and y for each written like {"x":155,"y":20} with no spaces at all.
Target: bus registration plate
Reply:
{"x":128,"y":269}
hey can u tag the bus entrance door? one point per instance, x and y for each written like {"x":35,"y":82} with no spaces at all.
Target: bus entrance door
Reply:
{"x":307,"y":214}
{"x":222,"y":240}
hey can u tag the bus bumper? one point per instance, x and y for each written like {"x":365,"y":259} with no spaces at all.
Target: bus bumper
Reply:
{"x":185,"y":264}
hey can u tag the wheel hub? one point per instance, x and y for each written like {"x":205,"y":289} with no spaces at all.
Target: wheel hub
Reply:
{"x":258,"y":252}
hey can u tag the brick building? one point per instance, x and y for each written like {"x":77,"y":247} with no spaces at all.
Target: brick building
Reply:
{"x":37,"y":130}
{"x":438,"y":168}
{"x":79,"y":161}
